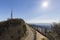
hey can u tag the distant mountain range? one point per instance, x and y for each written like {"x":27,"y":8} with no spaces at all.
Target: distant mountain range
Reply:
{"x":42,"y":25}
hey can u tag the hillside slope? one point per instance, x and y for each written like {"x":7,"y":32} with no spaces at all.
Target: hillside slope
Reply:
{"x":17,"y":29}
{"x":12,"y":29}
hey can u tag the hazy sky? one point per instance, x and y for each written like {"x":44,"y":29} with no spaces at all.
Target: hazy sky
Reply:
{"x":31,"y":10}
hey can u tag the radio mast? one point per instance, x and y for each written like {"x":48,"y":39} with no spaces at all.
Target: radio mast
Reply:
{"x":11,"y":14}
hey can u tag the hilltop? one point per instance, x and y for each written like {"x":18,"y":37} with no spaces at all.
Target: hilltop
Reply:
{"x":12,"y":29}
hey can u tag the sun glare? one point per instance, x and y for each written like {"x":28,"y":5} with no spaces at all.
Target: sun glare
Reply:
{"x":45,"y":4}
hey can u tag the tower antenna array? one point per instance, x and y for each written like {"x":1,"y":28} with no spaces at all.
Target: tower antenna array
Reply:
{"x":11,"y":14}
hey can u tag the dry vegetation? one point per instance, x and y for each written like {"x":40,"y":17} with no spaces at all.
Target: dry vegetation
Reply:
{"x":54,"y":34}
{"x":12,"y":29}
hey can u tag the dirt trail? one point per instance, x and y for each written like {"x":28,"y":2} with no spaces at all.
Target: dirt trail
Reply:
{"x":30,"y":35}
{"x":40,"y":37}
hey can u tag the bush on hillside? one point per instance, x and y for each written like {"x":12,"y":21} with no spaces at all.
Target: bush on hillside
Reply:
{"x":12,"y":23}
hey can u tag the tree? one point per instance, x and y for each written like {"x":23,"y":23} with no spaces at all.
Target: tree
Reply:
{"x":56,"y":31}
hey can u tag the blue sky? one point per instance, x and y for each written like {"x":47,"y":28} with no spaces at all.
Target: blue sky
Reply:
{"x":30,"y":10}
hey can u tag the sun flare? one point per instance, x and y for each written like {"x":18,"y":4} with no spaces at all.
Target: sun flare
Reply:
{"x":45,"y":4}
